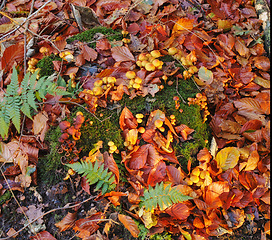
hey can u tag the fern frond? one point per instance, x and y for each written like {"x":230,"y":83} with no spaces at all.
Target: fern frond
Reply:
{"x":4,"y":127}
{"x":13,"y":87}
{"x":162,"y":197}
{"x":95,"y":174}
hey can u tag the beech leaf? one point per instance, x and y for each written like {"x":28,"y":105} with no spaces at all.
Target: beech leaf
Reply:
{"x":67,"y":222}
{"x":129,"y":224}
{"x":227,"y":158}
{"x":121,"y":54}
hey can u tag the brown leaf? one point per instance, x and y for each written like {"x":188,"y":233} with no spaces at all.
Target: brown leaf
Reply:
{"x":122,"y":54}
{"x":129,"y":224}
{"x":89,"y":53}
{"x":67,"y":222}
{"x":44,"y":235}
{"x":11,"y":233}
{"x":157,"y":174}
{"x":127,"y":120}
{"x":111,"y":165}
{"x":241,"y":47}
{"x":39,"y":122}
{"x":262,"y":63}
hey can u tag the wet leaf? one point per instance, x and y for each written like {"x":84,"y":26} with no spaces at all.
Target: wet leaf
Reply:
{"x":227,"y":158}
{"x":129,"y":224}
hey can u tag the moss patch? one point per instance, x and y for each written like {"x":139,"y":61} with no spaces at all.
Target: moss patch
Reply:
{"x":46,"y":65}
{"x":87,"y":36}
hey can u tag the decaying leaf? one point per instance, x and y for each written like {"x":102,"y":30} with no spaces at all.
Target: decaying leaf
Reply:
{"x":67,"y":222}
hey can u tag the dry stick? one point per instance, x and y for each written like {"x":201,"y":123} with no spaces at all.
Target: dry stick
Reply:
{"x":50,"y":211}
{"x":31,"y":15}
{"x":26,"y":28}
{"x":13,"y":195}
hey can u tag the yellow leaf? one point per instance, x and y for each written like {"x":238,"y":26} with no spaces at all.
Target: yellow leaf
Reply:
{"x":149,"y":219}
{"x":227,"y":158}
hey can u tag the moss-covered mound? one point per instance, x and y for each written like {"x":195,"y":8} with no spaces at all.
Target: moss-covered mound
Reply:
{"x":93,"y":130}
{"x":87,"y":36}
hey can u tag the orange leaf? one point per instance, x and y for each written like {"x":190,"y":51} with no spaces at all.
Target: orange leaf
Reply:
{"x":129,"y":224}
{"x":214,"y":190}
{"x":118,"y":94}
{"x":183,"y":24}
{"x":174,"y":174}
{"x":179,"y":211}
{"x":86,"y":227}
{"x":227,"y":158}
{"x":184,"y":131}
{"x":127,"y":120}
{"x":67,"y":222}
{"x":111,"y":165}
{"x":252,"y":161}
{"x":44,"y":235}
{"x":241,"y":47}
{"x":122,"y":54}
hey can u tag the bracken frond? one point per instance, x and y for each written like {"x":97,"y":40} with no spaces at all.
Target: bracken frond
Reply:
{"x":95,"y":174}
{"x":161,"y":197}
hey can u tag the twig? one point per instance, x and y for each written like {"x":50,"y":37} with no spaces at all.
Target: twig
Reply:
{"x":50,"y":211}
{"x":31,"y":15}
{"x":25,"y":38}
{"x":29,"y":223}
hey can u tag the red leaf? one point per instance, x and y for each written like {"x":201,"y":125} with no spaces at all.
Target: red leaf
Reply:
{"x":44,"y":235}
{"x":86,"y":227}
{"x":157,"y":174}
{"x":251,"y":125}
{"x":122,"y":54}
{"x":12,"y":54}
{"x":138,"y":158}
{"x":111,"y":165}
{"x":85,"y":185}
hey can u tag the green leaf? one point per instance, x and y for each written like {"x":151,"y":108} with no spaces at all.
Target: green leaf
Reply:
{"x":205,"y":75}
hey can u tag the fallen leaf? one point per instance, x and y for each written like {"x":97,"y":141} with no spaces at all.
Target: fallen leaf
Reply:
{"x":183,"y":24}
{"x":227,"y":158}
{"x":88,"y":53}
{"x":127,"y":120}
{"x":129,"y":224}
{"x":179,"y":211}
{"x":262,"y":63}
{"x":67,"y":222}
{"x":44,"y":235}
{"x":122,"y":54}
{"x":213,"y":192}
{"x":110,"y":163}
{"x":39,"y":122}
{"x":205,"y":75}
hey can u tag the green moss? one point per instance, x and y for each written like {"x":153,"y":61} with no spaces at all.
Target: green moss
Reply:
{"x":87,"y":36}
{"x":50,"y":163}
{"x":46,"y":65}
{"x":5,"y":197}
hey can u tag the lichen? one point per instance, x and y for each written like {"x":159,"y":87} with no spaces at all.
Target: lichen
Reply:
{"x":87,"y":36}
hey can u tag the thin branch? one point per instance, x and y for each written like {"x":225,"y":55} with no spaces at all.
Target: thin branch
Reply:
{"x":50,"y":211}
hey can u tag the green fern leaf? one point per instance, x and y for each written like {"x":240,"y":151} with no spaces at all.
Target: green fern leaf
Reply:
{"x":95,"y":174}
{"x":4,"y":127}
{"x":13,"y":87}
{"x":161,"y":197}
{"x":26,"y":110}
{"x":31,"y":100}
